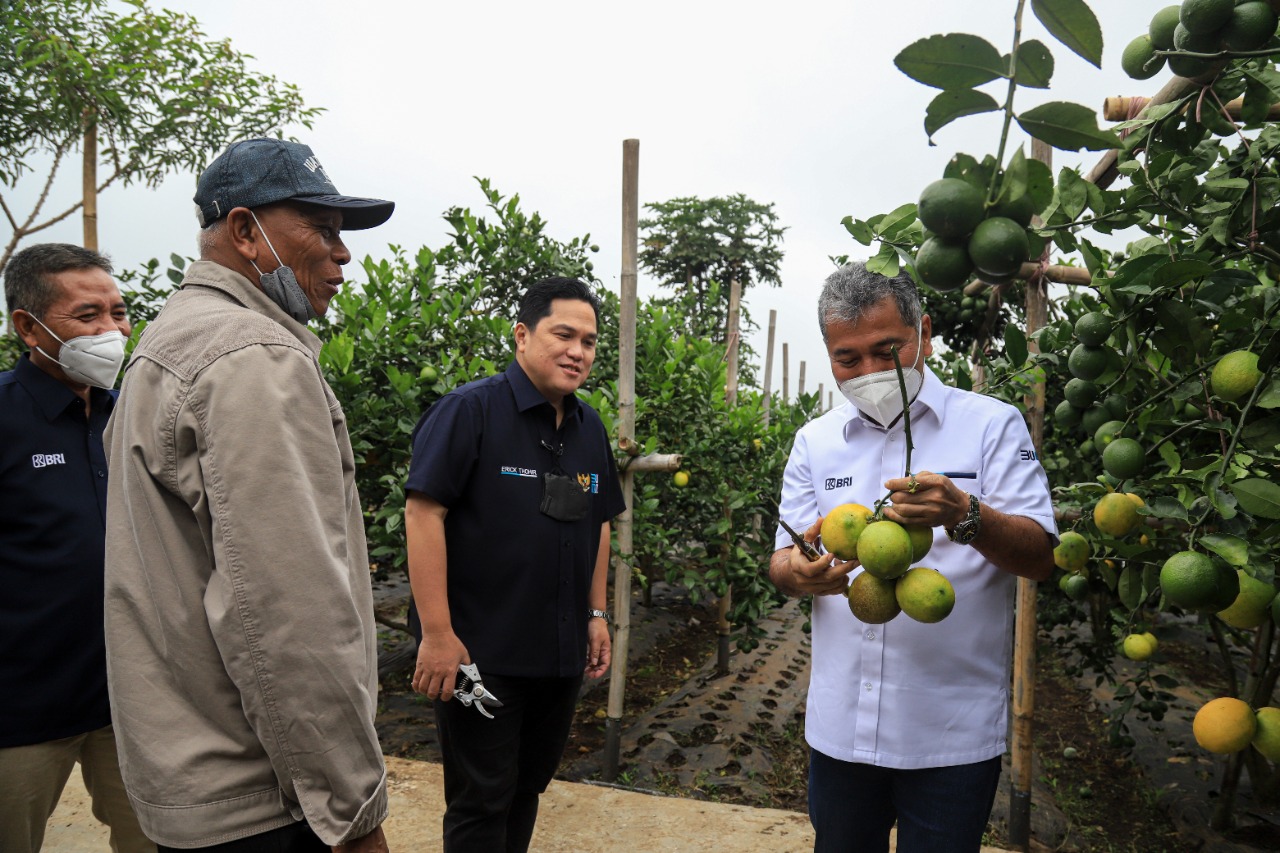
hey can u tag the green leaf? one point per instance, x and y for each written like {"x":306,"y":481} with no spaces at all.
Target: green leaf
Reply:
{"x":1074,"y":24}
{"x":896,"y":221}
{"x":1035,"y":65}
{"x":1233,"y":549}
{"x":1015,"y":345}
{"x":1270,"y":398}
{"x":1073,"y":196}
{"x":952,"y":61}
{"x":951,"y":104}
{"x":885,"y":262}
{"x":1170,"y":457}
{"x":860,"y":230}
{"x":1067,"y":126}
{"x":1014,"y":182}
{"x":1258,"y":497}
{"x":1129,"y":587}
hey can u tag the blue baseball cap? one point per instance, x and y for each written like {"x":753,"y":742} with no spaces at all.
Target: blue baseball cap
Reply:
{"x":256,"y":172}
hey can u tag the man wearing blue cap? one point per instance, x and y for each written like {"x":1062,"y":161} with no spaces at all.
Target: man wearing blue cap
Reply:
{"x":242,"y":660}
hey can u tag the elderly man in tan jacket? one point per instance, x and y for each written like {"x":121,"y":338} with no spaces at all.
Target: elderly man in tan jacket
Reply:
{"x":239,"y":618}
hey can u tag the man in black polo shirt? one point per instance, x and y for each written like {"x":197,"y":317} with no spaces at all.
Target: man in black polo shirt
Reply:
{"x":510,"y":493}
{"x":64,"y":305}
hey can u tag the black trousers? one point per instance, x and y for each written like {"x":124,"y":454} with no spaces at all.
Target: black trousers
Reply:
{"x":495,"y":769}
{"x":295,"y":838}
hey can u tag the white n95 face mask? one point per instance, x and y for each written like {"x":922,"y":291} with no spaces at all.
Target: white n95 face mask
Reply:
{"x":878,"y":396}
{"x":92,"y":359}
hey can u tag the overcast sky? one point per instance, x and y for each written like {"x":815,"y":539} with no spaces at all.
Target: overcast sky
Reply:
{"x":794,"y":103}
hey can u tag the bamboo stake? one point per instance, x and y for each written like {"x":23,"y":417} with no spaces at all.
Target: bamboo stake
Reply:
{"x":1024,"y":667}
{"x":1116,"y":108}
{"x":90,"y":184}
{"x":1104,"y":171}
{"x":626,"y":432}
{"x":800,"y":385}
{"x":723,"y":628}
{"x":768,"y":363}
{"x":786,"y":366}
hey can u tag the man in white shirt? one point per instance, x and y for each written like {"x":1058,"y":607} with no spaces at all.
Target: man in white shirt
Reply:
{"x":906,"y":721}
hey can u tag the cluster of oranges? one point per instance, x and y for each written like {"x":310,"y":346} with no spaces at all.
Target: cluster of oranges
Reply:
{"x":1199,"y":26}
{"x":887,"y":585}
{"x":964,"y":235}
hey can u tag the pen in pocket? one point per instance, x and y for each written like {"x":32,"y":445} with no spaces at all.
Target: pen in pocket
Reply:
{"x":959,"y":475}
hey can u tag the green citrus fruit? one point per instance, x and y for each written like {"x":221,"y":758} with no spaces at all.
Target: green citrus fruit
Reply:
{"x":1066,"y":415}
{"x":1116,"y":405}
{"x":1080,"y":393}
{"x":1123,"y":458}
{"x":1275,"y":610}
{"x":925,"y":595}
{"x":1138,"y":647}
{"x":1093,"y":419}
{"x":943,"y":265}
{"x":1251,"y":25}
{"x":1197,"y":70}
{"x":950,"y":208}
{"x":1139,"y":59}
{"x":1021,"y":209}
{"x":1107,"y":433}
{"x":1189,"y":579}
{"x":1252,"y":605}
{"x":1075,"y":586}
{"x":428,"y":374}
{"x":1235,"y":375}
{"x":1267,"y":738}
{"x":921,"y":540}
{"x":1071,"y":552}
{"x":872,"y":599}
{"x":884,"y":549}
{"x":681,"y":479}
{"x":1093,"y":328}
{"x":1184,"y":39}
{"x":1224,"y":725}
{"x":999,"y":246}
{"x":1086,"y":362}
{"x":1162,"y":26}
{"x":842,"y":527}
{"x":1205,"y":16}
{"x":1115,"y":515}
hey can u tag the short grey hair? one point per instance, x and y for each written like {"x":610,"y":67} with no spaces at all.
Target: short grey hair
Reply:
{"x":209,"y":237}
{"x":27,"y":282}
{"x":852,"y":290}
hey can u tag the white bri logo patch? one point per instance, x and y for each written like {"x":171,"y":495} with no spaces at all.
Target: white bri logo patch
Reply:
{"x":513,"y":471}
{"x":40,"y":460}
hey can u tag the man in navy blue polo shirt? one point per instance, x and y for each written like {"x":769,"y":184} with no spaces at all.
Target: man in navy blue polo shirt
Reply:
{"x":64,"y":305}
{"x":510,"y":493}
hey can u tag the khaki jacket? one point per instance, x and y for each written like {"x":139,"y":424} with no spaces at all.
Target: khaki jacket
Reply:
{"x":241,"y":652}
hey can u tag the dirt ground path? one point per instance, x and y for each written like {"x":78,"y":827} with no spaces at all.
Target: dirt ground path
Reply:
{"x":573,"y":817}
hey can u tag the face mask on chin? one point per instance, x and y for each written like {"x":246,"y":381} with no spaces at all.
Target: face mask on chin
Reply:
{"x":281,"y":285}
{"x":92,"y":359}
{"x":878,"y":396}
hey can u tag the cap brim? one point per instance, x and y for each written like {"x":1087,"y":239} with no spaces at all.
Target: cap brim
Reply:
{"x":357,"y":213}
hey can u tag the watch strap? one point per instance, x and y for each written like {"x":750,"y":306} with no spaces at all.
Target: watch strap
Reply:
{"x":967,"y":529}
{"x":600,"y":614}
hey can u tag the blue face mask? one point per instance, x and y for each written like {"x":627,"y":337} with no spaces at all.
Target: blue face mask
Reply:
{"x":281,"y":285}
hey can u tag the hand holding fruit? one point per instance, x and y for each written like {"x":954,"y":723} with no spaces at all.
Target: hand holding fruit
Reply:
{"x":821,"y":576}
{"x":934,"y":501}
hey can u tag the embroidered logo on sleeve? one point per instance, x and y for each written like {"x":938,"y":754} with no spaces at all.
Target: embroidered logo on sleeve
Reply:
{"x":41,"y":460}
{"x":1028,"y":456}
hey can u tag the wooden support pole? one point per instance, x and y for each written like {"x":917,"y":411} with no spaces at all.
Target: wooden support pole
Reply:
{"x":652,"y":462}
{"x":768,"y":364}
{"x":800,"y":385}
{"x":89,"y":185}
{"x":723,"y":628}
{"x":1104,"y":173}
{"x":1117,"y":107}
{"x":786,"y":367}
{"x":626,"y":433}
{"x":1024,"y":666}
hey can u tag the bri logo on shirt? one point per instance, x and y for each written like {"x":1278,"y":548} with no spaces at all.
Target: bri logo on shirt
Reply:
{"x":841,"y":483}
{"x":40,"y":460}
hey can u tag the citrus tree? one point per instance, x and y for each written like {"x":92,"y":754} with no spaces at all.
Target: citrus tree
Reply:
{"x":1162,"y":443}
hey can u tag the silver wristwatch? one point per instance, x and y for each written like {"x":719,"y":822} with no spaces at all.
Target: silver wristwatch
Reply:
{"x":967,"y":529}
{"x":602,"y":614}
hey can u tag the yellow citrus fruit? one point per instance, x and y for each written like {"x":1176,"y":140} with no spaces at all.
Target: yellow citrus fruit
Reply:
{"x":1139,"y":59}
{"x":925,"y":595}
{"x":1235,"y":375}
{"x":1224,"y":725}
{"x":950,"y":208}
{"x":1251,"y":25}
{"x":1162,"y":27}
{"x":872,"y":600}
{"x":1252,"y":605}
{"x":1072,"y":552}
{"x":1123,"y":458}
{"x":921,"y":540}
{"x":841,"y":528}
{"x":1151,"y":638}
{"x":943,"y":265}
{"x":1267,"y":738}
{"x":884,"y":549}
{"x":1115,"y":514}
{"x":1205,"y":16}
{"x":681,"y":479}
{"x":1138,"y":647}
{"x":999,"y":246}
{"x":1191,"y":580}
{"x":1135,"y":498}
